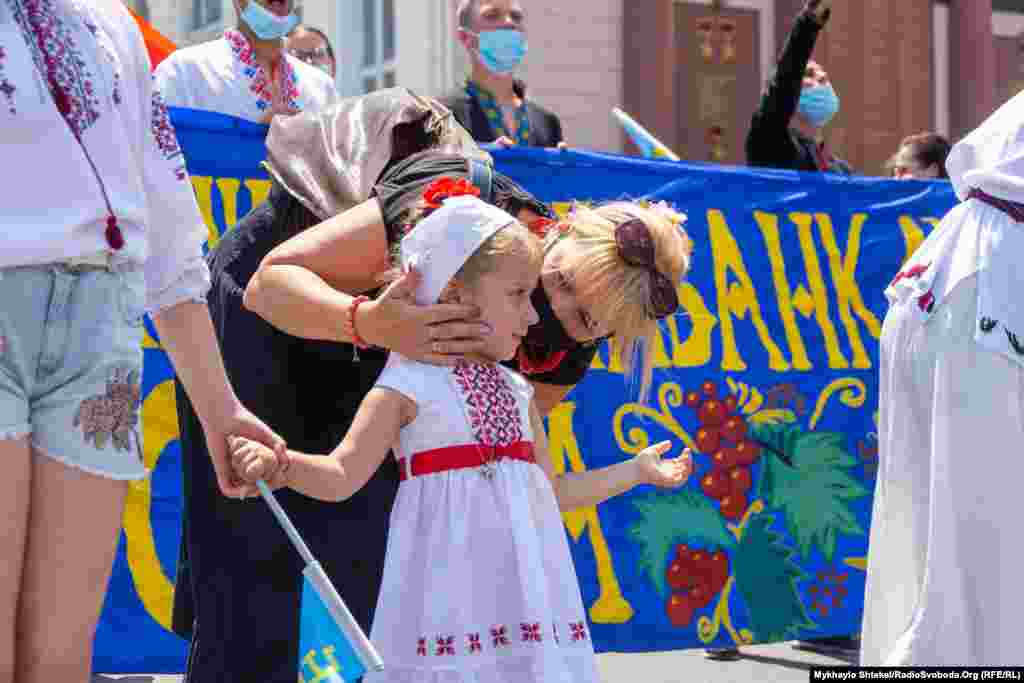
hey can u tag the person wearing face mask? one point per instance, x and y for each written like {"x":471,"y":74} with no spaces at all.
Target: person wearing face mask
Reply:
{"x":493,"y":105}
{"x":786,"y":130}
{"x":312,"y":46}
{"x":246,"y":73}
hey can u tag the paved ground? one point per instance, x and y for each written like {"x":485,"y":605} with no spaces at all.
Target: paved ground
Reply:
{"x":778,"y":663}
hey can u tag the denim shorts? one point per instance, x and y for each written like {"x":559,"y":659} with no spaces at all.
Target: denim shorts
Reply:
{"x":71,"y":364}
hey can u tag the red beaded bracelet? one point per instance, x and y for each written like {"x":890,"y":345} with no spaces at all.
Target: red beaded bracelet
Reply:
{"x":350,"y":321}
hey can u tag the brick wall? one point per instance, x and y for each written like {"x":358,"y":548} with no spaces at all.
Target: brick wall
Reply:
{"x":575,"y":67}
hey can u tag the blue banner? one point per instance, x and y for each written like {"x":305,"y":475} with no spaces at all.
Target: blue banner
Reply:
{"x":769,"y":372}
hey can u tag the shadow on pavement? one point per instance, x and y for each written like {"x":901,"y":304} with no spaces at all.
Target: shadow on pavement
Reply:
{"x":792,"y":664}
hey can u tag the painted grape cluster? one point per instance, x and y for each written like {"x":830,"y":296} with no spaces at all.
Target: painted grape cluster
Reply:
{"x":695,"y":576}
{"x":722,"y":436}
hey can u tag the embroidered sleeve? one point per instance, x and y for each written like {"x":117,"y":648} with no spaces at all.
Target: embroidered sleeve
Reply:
{"x":175,"y":231}
{"x":163,"y":133}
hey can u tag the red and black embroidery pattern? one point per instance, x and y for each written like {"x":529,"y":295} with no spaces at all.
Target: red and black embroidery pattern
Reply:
{"x":59,"y":60}
{"x":499,"y":636}
{"x":163,"y":132}
{"x":445,"y":645}
{"x":491,"y":405}
{"x":7,"y":88}
{"x":530,"y":634}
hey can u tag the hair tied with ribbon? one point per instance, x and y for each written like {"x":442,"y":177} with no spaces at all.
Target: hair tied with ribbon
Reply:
{"x":446,"y":188}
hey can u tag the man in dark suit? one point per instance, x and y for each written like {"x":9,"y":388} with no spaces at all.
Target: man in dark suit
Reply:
{"x":493,"y":105}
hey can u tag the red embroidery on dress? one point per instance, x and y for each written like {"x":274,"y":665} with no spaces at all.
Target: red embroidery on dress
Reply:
{"x":492,"y":409}
{"x":579,"y":630}
{"x":926,"y":302}
{"x":163,"y":132}
{"x":259,"y":79}
{"x":913,"y":272}
{"x":530,"y":632}
{"x":474,"y":643}
{"x":499,"y":636}
{"x":59,"y":59}
{"x":421,"y":647}
{"x":445,"y":646}
{"x":6,"y":87}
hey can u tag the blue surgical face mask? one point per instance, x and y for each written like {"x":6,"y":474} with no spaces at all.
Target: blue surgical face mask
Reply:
{"x":502,"y":50}
{"x":265,"y":24}
{"x":819,"y":104}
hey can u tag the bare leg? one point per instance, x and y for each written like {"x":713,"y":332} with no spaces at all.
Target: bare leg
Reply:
{"x":14,"y":503}
{"x":73,"y":527}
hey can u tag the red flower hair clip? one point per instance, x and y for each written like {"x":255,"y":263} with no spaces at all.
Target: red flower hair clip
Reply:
{"x":445,"y":188}
{"x":539,"y":226}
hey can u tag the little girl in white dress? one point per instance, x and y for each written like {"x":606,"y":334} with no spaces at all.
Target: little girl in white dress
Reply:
{"x":479,"y":584}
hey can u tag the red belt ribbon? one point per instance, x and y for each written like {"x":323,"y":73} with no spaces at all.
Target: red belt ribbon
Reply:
{"x":1011,"y":209}
{"x":461,"y":457}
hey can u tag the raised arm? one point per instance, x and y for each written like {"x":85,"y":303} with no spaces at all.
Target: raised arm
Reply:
{"x":583,"y":489}
{"x":768,"y":142}
{"x":341,"y":474}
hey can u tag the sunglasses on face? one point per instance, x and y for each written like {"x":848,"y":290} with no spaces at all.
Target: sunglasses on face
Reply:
{"x":636,"y":247}
{"x":309,"y":56}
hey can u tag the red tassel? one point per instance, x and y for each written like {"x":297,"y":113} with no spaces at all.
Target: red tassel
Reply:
{"x":115,"y":238}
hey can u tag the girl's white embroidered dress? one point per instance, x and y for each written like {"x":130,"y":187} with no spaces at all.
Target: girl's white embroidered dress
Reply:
{"x":479,"y":585}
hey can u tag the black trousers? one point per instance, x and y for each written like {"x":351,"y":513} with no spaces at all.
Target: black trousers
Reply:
{"x":239,"y":580}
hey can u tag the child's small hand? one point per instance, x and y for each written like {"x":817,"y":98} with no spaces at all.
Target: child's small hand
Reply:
{"x":251,"y":460}
{"x":665,"y":473}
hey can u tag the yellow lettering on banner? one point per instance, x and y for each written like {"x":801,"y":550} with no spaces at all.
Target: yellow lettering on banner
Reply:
{"x":737,"y":299}
{"x":913,"y":235}
{"x":611,"y":607}
{"x":258,"y":189}
{"x":815,"y":302}
{"x":844,"y":278}
{"x":228,"y":188}
{"x":818,"y":300}
{"x":696,"y":350}
{"x":769,"y":224}
{"x":203,"y":187}
{"x":160,"y":421}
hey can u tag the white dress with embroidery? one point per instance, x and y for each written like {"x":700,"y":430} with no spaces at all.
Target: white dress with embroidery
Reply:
{"x":479,"y":585}
{"x":222,"y":76}
{"x":943,"y":585}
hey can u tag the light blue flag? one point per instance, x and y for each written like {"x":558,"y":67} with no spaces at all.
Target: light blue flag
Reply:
{"x":332,"y":647}
{"x":650,"y":146}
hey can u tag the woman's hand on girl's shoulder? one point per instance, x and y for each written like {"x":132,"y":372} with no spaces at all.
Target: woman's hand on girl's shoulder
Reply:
{"x":439,"y":334}
{"x":666,"y":473}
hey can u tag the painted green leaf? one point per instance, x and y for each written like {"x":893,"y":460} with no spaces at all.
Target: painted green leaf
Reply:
{"x":667,"y":519}
{"x":815,"y":490}
{"x":766,"y":577}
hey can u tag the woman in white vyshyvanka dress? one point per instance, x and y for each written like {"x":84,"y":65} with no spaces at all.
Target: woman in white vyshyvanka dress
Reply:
{"x":479,"y":583}
{"x":943,"y":584}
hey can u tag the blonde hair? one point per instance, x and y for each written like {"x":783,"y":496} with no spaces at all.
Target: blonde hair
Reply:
{"x":618,"y":294}
{"x":512,"y":241}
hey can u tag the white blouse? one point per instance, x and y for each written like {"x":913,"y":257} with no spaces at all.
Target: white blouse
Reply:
{"x":222,"y":76}
{"x":116,"y":146}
